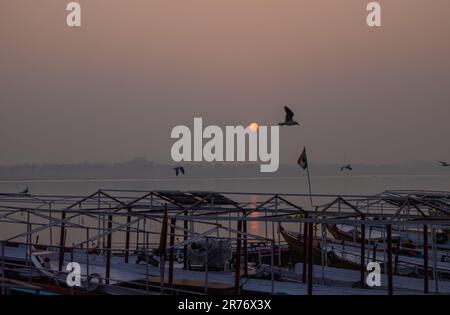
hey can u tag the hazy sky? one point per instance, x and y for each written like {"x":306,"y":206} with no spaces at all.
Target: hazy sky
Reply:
{"x":115,"y":88}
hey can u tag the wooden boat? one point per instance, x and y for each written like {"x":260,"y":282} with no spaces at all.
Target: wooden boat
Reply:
{"x":352,"y":234}
{"x":410,"y":240}
{"x":333,"y":259}
{"x":347,"y":255}
{"x":295,"y":241}
{"x":342,"y":235}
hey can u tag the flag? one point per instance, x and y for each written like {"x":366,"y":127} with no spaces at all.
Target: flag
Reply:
{"x":302,"y":160}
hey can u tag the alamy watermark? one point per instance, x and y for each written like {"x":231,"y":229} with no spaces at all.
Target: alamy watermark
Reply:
{"x":73,"y":18}
{"x":373,"y":278}
{"x":228,"y":145}
{"x":73,"y":278}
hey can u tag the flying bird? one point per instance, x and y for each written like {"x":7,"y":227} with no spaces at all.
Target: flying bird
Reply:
{"x":25,"y":191}
{"x":179,"y":169}
{"x":289,"y":120}
{"x":444,"y":164}
{"x":347,"y":167}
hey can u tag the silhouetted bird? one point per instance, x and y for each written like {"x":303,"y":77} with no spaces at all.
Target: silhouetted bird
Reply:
{"x":179,"y":169}
{"x":289,"y":120}
{"x":25,"y":191}
{"x":347,"y":167}
{"x":444,"y":164}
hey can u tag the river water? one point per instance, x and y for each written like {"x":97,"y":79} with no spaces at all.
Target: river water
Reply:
{"x":360,"y":185}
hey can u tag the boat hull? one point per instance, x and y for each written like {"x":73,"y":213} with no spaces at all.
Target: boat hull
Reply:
{"x":296,"y":243}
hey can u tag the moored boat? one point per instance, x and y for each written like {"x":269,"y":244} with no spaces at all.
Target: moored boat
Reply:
{"x":331,"y":258}
{"x":353,"y":234}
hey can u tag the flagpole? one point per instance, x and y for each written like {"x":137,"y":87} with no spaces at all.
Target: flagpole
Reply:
{"x":309,"y":185}
{"x":303,"y":163}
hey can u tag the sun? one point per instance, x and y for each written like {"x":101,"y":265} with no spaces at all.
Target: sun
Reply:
{"x":253,"y":127}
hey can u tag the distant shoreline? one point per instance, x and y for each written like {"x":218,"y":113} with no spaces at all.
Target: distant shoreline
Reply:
{"x":141,"y":169}
{"x":75,"y":180}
